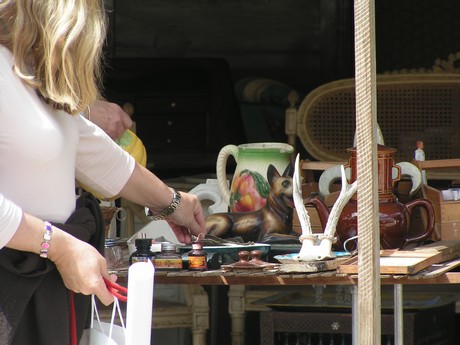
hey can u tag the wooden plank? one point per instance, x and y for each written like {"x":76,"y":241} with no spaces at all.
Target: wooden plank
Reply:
{"x":313,"y":165}
{"x":409,"y":261}
{"x":438,"y":163}
{"x":443,"y":247}
{"x":311,"y":266}
{"x":391,"y":265}
{"x":436,"y":270}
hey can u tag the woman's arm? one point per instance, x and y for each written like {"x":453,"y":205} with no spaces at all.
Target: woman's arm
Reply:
{"x":111,"y":171}
{"x":81,"y":266}
{"x":145,"y":188}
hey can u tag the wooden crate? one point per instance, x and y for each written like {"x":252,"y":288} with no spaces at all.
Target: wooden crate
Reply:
{"x":447,"y":214}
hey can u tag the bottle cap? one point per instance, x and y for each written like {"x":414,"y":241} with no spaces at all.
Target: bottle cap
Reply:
{"x":197,"y":245}
{"x":168,"y":246}
{"x":143,"y":242}
{"x":110,"y":242}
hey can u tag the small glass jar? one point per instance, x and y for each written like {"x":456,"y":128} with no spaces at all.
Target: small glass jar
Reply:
{"x":143,"y":252}
{"x":168,"y":259}
{"x":197,"y":257}
{"x":113,"y":254}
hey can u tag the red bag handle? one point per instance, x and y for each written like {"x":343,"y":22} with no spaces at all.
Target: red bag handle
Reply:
{"x":117,"y":290}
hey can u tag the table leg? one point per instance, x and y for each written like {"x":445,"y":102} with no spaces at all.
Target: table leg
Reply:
{"x":398,"y":314}
{"x":354,"y":314}
{"x":236,"y":309}
{"x":197,"y":298}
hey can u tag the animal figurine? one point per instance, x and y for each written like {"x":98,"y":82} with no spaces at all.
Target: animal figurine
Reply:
{"x":270,"y":224}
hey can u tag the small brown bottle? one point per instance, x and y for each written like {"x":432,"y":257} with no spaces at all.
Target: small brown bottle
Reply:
{"x":168,"y":259}
{"x":197,"y":257}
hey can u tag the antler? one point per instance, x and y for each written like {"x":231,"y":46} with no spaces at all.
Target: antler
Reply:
{"x":302,"y":213}
{"x":318,"y":246}
{"x":308,"y":239}
{"x":346,"y":193}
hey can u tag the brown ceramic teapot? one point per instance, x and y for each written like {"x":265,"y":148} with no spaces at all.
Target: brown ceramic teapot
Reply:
{"x":394,"y":216}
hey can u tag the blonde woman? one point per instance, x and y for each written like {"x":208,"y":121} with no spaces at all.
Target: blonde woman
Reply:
{"x":50,"y":60}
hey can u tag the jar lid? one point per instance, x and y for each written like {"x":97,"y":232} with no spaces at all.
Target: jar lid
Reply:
{"x":197,"y":245}
{"x":143,"y":242}
{"x":110,"y":242}
{"x":168,"y":246}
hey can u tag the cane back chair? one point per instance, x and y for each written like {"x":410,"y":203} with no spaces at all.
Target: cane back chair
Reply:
{"x":412,"y":105}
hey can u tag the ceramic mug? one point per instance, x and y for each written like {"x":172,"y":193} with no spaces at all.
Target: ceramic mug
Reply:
{"x":249,"y":188}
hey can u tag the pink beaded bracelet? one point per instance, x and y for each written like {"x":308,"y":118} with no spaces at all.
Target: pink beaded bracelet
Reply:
{"x":46,"y":240}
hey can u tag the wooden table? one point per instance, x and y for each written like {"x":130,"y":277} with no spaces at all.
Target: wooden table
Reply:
{"x":274,"y":279}
{"x":238,"y":281}
{"x":245,"y":286}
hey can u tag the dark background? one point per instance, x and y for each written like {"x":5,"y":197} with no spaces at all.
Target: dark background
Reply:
{"x":180,"y":63}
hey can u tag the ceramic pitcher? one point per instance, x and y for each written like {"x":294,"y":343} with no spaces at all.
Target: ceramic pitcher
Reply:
{"x":249,"y":188}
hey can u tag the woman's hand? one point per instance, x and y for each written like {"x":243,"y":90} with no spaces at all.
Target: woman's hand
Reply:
{"x":110,"y":117}
{"x":81,"y":266}
{"x":187,"y":219}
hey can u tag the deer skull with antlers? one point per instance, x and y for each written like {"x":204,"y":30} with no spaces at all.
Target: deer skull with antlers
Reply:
{"x":319,"y":246}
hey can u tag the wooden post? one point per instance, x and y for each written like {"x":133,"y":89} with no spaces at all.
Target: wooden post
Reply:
{"x":369,"y":300}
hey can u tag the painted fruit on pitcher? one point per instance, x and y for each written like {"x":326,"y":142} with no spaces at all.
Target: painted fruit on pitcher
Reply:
{"x":249,"y":191}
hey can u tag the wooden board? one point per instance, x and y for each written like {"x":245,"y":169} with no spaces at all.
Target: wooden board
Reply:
{"x":436,"y":270}
{"x":311,"y":266}
{"x":409,"y":261}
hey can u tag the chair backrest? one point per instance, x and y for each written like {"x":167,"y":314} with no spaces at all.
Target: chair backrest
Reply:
{"x":410,"y":107}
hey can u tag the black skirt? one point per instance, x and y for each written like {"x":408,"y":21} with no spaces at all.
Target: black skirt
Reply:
{"x":34,"y":303}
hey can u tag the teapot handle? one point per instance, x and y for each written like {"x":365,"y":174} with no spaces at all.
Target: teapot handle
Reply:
{"x":221,"y":173}
{"x":426,"y":204}
{"x":409,"y":169}
{"x":327,"y":178}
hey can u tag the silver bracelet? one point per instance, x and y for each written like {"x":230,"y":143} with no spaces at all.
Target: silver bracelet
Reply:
{"x":168,"y":210}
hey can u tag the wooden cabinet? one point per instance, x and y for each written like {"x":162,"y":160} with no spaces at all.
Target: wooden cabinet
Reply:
{"x":179,"y":123}
{"x":185,"y":110}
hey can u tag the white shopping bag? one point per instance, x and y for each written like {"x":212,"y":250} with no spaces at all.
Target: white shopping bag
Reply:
{"x":92,"y":336}
{"x":104,"y":333}
{"x":138,"y":312}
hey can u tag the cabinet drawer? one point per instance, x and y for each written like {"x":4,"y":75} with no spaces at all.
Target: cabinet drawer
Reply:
{"x":173,"y":104}
{"x":180,"y":141}
{"x":195,"y":122}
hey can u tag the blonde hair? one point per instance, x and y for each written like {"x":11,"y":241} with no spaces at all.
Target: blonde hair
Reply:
{"x":57,"y":48}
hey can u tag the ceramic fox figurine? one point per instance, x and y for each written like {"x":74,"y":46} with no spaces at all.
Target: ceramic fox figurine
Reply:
{"x":271,"y":223}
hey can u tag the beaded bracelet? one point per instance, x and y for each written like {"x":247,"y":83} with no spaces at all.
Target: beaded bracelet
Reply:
{"x":46,"y":240}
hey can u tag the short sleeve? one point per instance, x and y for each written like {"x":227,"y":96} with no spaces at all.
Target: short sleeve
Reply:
{"x":100,"y":163}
